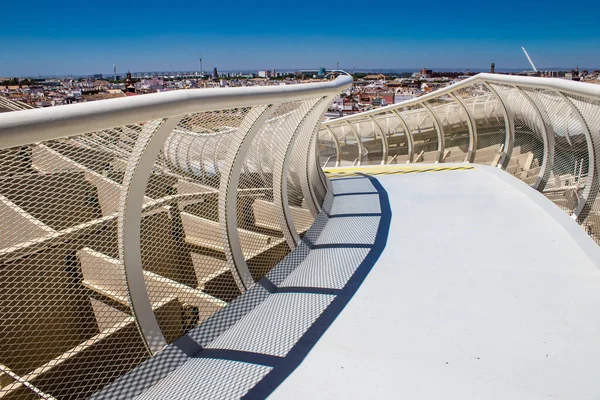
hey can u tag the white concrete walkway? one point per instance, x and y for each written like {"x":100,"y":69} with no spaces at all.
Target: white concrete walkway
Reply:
{"x":485,"y":290}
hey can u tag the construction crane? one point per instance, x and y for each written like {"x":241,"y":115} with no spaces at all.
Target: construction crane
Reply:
{"x":529,"y":59}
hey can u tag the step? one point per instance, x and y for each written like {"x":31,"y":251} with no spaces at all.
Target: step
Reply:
{"x":106,"y":316}
{"x":266,"y":216}
{"x":524,"y":161}
{"x":207,"y":268}
{"x":50,"y":376}
{"x":105,"y":275}
{"x":109,"y":192}
{"x":206,"y":233}
{"x":186,"y":187}
{"x":19,"y":226}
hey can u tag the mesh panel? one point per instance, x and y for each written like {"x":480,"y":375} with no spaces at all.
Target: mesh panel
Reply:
{"x":453,"y":120}
{"x":590,"y":111}
{"x":185,"y":269}
{"x":423,"y":131}
{"x":489,"y":120}
{"x":528,"y":150}
{"x":66,"y":326}
{"x":316,"y":177}
{"x":396,"y":136}
{"x":569,"y":171}
{"x":327,"y":148}
{"x":67,"y":320}
{"x":371,"y":140}
{"x":262,"y":241}
{"x":348,"y":144}
{"x":297,"y":185}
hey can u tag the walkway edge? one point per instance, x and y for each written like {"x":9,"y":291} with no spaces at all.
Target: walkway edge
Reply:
{"x":579,"y":236}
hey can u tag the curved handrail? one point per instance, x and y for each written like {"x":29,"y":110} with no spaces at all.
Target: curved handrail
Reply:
{"x":571,"y":87}
{"x":558,"y":116}
{"x":23,"y":127}
{"x":139,"y":218}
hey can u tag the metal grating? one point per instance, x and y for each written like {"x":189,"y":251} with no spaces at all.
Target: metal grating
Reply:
{"x":118,"y":241}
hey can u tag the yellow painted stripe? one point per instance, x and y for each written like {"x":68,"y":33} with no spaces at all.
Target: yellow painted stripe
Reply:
{"x":391,"y":170}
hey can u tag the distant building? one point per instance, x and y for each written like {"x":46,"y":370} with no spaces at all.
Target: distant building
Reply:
{"x":374,"y":77}
{"x":215,"y":74}
{"x":155,"y":84}
{"x":426,"y":73}
{"x":264,"y":74}
{"x":129,"y":87}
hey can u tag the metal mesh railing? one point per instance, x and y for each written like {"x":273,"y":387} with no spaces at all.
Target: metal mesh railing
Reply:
{"x":545,"y":132}
{"x":120,"y":234}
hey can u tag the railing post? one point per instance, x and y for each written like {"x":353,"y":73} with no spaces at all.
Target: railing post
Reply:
{"x":548,"y":138}
{"x":440,"y":133}
{"x":384,"y":141}
{"x":230,"y":177}
{"x":509,"y":123}
{"x":472,"y":125}
{"x":304,"y":144}
{"x":409,"y":139}
{"x":312,"y":169}
{"x":285,"y":146}
{"x":137,"y":173}
{"x":338,"y":156}
{"x":358,"y":143}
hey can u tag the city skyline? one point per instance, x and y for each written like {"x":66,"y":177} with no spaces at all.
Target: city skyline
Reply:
{"x":80,"y":39}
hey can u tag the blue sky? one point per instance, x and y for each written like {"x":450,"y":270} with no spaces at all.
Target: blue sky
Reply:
{"x":83,"y":37}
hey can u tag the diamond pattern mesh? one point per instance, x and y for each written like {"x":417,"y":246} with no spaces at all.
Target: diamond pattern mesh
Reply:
{"x":66,"y":326}
{"x":68,"y":322}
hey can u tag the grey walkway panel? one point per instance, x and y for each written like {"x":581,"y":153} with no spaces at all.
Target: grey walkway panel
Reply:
{"x":354,"y":185}
{"x":364,"y":203}
{"x":275,"y":325}
{"x":326,"y":268}
{"x":217,"y":379}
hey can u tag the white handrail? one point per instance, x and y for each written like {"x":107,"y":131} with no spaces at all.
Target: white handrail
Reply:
{"x":29,"y":126}
{"x":558,"y":110}
{"x":572,"y":87}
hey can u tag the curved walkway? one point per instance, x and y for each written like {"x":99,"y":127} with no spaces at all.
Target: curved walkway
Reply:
{"x":485,"y":289}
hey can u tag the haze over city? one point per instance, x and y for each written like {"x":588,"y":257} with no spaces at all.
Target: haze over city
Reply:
{"x":82,"y":38}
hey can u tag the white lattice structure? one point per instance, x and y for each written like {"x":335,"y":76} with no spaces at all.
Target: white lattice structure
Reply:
{"x":129,"y":224}
{"x":543,"y":131}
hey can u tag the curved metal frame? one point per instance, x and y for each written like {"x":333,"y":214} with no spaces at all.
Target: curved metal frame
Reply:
{"x":592,"y":183}
{"x":409,"y":139}
{"x":161,"y":114}
{"x":384,"y":141}
{"x":304,"y":147}
{"x":358,"y":143}
{"x":471,"y":125}
{"x":311,"y":163}
{"x":280,"y":189}
{"x":548,"y":138}
{"x":440,"y":133}
{"x":338,"y":158}
{"x":249,"y":128}
{"x":136,"y":178}
{"x":322,"y":182}
{"x":509,"y":123}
